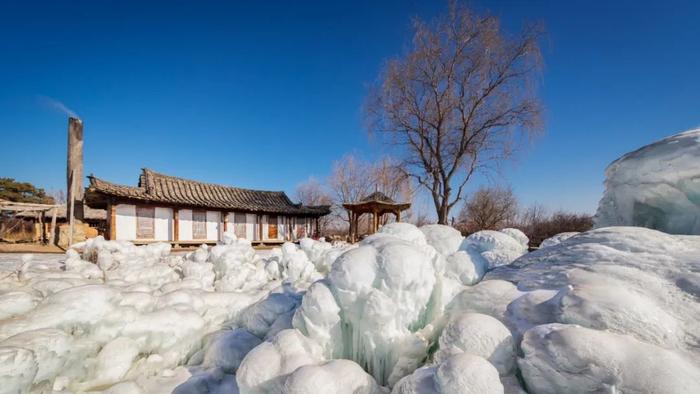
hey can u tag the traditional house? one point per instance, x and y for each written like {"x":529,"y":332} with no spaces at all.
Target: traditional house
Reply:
{"x":182,"y":211}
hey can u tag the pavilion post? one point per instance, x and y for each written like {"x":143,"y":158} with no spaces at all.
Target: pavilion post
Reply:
{"x":52,"y":235}
{"x":398,"y":215}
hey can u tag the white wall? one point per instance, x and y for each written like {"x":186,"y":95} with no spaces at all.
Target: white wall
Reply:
{"x":125,"y":218}
{"x":213,"y":225}
{"x":163,"y":224}
{"x":185,"y":224}
{"x":251,"y":234}
{"x":281,"y":227}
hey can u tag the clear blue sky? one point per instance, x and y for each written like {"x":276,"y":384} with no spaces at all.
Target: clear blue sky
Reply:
{"x":265,"y":95}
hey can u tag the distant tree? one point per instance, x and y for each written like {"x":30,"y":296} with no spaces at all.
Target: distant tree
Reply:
{"x":350,"y":180}
{"x":538,"y":225}
{"x":390,"y":179}
{"x":12,"y":190}
{"x":59,"y":196}
{"x":458,"y":101}
{"x":311,"y":192}
{"x":489,"y":208}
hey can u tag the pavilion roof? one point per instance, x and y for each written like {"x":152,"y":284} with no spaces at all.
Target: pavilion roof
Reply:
{"x":376,"y":201}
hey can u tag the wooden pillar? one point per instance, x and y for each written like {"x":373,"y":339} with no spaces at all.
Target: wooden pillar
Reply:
{"x":260,"y":228}
{"x":176,"y":224}
{"x":225,"y":220}
{"x":112,"y":212}
{"x":74,"y":171}
{"x":398,"y":215}
{"x":375,"y":222}
{"x":52,"y":236}
{"x":351,"y":229}
{"x":40,"y":217}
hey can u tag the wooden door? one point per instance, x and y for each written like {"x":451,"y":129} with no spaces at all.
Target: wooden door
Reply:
{"x":272,"y":227}
{"x":145,"y":222}
{"x":199,"y":224}
{"x":239,"y":224}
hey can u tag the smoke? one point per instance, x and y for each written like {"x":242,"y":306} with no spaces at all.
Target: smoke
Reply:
{"x":57,"y":106}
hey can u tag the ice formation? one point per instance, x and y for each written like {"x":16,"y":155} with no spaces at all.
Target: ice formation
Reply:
{"x":406,"y":310}
{"x":115,"y":317}
{"x":656,"y":186}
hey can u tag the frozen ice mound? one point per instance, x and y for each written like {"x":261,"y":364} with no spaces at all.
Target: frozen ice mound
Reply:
{"x":497,"y":247}
{"x":557,"y":239}
{"x":595,"y":305}
{"x":407,"y":309}
{"x":461,"y":373}
{"x":115,"y":317}
{"x":568,"y":358}
{"x":656,"y":186}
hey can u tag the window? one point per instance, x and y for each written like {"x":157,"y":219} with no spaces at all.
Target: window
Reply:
{"x":145,"y":222}
{"x":301,"y":227}
{"x":239,"y":220}
{"x":199,"y":224}
{"x":272,"y":227}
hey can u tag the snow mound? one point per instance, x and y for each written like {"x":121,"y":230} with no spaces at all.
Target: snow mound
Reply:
{"x":605,"y":298}
{"x":480,"y":335}
{"x":459,"y":374}
{"x":656,"y":186}
{"x":383,"y":290}
{"x":407,"y":310}
{"x":562,"y":358}
{"x":445,"y":239}
{"x":497,"y":247}
{"x":557,"y":239}
{"x":265,"y":368}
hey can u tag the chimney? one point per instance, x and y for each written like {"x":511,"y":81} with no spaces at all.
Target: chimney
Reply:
{"x":74,"y":174}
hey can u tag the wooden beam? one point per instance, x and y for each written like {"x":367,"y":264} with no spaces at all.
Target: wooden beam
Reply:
{"x":176,"y":224}
{"x":112,"y":217}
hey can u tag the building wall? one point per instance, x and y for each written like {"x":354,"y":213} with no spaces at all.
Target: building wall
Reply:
{"x":250,"y":228}
{"x":214,"y":225}
{"x":163,"y":224}
{"x":125,"y":224}
{"x":185,"y":224}
{"x":125,"y":218}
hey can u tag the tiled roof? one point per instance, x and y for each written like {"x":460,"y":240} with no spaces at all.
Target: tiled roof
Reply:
{"x":378,"y":196}
{"x":160,"y":188}
{"x":376,"y":200}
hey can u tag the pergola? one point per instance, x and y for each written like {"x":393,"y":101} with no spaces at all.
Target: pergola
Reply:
{"x":39,"y":209}
{"x":378,"y":204}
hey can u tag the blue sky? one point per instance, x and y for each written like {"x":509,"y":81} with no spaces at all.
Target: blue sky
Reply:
{"x":265,"y":95}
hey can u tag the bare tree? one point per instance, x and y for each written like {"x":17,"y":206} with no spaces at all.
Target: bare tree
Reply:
{"x":538,"y":225}
{"x":490,"y":208}
{"x":311,"y":192}
{"x":350,"y":180}
{"x":458,"y":101}
{"x":389,"y":178}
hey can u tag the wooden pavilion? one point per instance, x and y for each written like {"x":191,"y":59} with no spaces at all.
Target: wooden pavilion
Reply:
{"x":378,"y":204}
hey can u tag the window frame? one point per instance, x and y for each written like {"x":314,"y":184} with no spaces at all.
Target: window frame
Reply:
{"x":140,"y":218}
{"x":196,"y":223}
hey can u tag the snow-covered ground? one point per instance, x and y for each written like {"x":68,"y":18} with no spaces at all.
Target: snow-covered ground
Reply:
{"x":407,"y":310}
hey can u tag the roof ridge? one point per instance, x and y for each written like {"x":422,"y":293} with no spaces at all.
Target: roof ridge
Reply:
{"x":148,"y":172}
